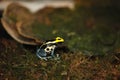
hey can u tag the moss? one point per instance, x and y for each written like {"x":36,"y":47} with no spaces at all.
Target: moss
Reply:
{"x":87,"y":43}
{"x":81,"y":29}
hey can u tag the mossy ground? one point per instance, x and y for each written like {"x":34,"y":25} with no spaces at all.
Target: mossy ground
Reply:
{"x":19,"y":62}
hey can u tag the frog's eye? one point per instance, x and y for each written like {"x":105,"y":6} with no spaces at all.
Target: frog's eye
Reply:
{"x":59,"y":39}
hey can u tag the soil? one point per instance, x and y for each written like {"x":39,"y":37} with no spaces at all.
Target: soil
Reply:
{"x":19,"y":62}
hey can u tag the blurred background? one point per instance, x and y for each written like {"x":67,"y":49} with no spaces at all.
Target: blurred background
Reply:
{"x":91,"y":29}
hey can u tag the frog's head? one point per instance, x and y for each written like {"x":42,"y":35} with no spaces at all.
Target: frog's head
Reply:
{"x":55,"y":41}
{"x":59,"y":40}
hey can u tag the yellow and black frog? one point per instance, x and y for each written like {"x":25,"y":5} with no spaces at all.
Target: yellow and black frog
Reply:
{"x":46,"y":50}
